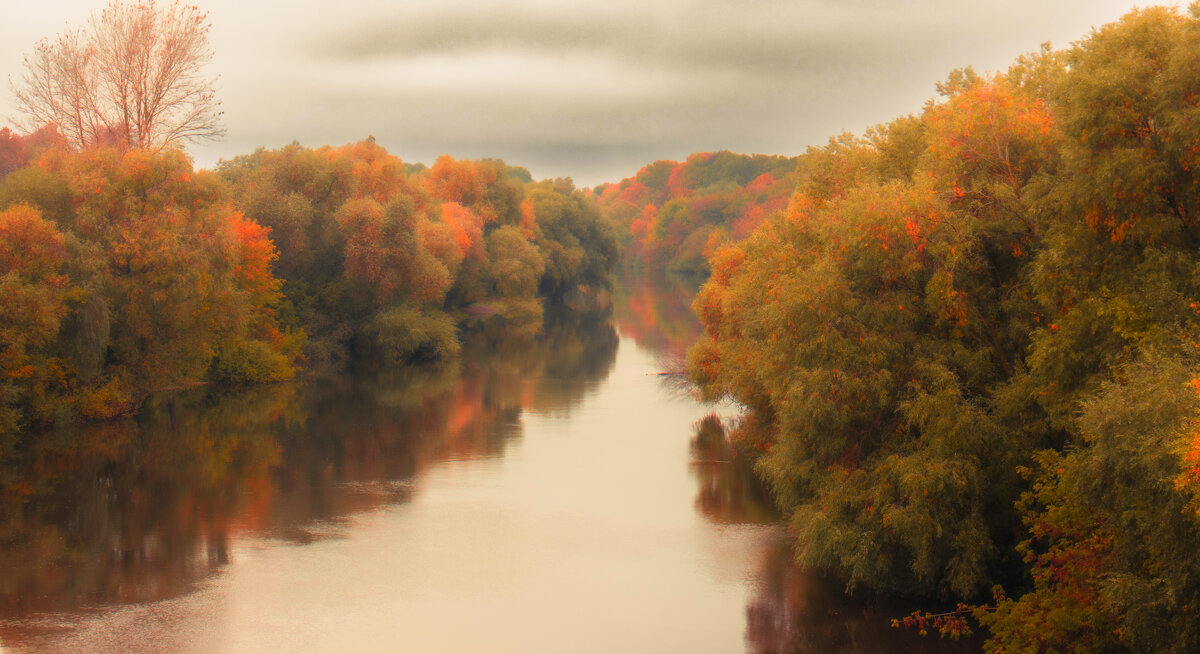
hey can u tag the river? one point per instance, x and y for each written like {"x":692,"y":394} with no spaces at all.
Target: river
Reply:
{"x":544,"y":495}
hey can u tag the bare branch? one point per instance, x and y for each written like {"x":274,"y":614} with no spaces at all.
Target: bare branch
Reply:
{"x":133,"y":76}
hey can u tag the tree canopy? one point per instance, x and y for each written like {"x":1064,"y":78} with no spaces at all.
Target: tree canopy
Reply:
{"x":125,"y":272}
{"x":966,"y":350}
{"x":672,"y":215}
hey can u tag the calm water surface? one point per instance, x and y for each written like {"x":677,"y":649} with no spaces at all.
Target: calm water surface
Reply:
{"x":550,"y":495}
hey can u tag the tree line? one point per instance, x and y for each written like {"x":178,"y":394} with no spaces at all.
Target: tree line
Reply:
{"x":672,"y":216}
{"x":124,"y":271}
{"x":968,"y":351}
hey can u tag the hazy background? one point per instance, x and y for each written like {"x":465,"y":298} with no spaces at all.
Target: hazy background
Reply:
{"x":589,"y":90}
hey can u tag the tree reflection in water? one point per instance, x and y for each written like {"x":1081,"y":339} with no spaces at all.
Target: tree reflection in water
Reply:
{"x":802,"y":612}
{"x":147,"y":510}
{"x":655,"y":311}
{"x":794,"y":610}
{"x":728,"y":492}
{"x":134,"y":511}
{"x":144,"y":510}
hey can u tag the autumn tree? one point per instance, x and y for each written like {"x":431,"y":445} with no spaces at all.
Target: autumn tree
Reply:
{"x":133,"y":76}
{"x":124,"y":273}
{"x":867,"y":330}
{"x":12,"y":151}
{"x":1112,"y":515}
{"x":985,"y":316}
{"x":382,"y":260}
{"x":33,"y":293}
{"x":667,"y":213}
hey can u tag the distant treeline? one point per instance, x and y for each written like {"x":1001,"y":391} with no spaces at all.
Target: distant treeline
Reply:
{"x":672,"y":216}
{"x":969,"y":349}
{"x":124,"y":272}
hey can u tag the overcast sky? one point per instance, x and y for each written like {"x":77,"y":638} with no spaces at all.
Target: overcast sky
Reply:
{"x":589,"y":90}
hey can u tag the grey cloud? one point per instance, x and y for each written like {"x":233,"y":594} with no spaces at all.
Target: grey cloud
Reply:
{"x":588,"y":88}
{"x":596,"y":90}
{"x":762,"y":41}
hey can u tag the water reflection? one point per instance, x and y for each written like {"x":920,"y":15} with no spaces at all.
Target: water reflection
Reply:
{"x":655,"y":311}
{"x":727,"y":492}
{"x":133,"y":511}
{"x":792,"y":610}
{"x":538,"y":486}
{"x":801,"y":612}
{"x":144,"y":510}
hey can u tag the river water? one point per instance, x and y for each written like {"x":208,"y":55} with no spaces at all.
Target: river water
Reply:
{"x":544,"y":495}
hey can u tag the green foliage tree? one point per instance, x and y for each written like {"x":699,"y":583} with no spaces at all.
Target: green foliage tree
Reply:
{"x":1111,"y":523}
{"x":985,"y":316}
{"x":868,"y":331}
{"x":579,"y":246}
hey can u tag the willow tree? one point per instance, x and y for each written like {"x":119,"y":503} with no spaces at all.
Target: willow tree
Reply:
{"x":132,"y":76}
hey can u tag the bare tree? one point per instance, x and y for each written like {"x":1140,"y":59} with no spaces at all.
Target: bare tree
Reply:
{"x":131,"y":77}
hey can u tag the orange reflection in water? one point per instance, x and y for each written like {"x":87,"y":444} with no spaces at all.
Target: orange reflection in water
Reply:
{"x":795,"y":610}
{"x":655,"y":311}
{"x":802,"y":612}
{"x":145,"y":510}
{"x":608,"y":531}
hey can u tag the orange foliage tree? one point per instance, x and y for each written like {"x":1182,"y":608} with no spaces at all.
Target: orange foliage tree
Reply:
{"x":146,"y":279}
{"x":383,"y":258}
{"x":668,"y":211}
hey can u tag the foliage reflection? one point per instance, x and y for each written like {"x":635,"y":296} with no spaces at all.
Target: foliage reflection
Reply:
{"x":144,"y":510}
{"x":655,"y":311}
